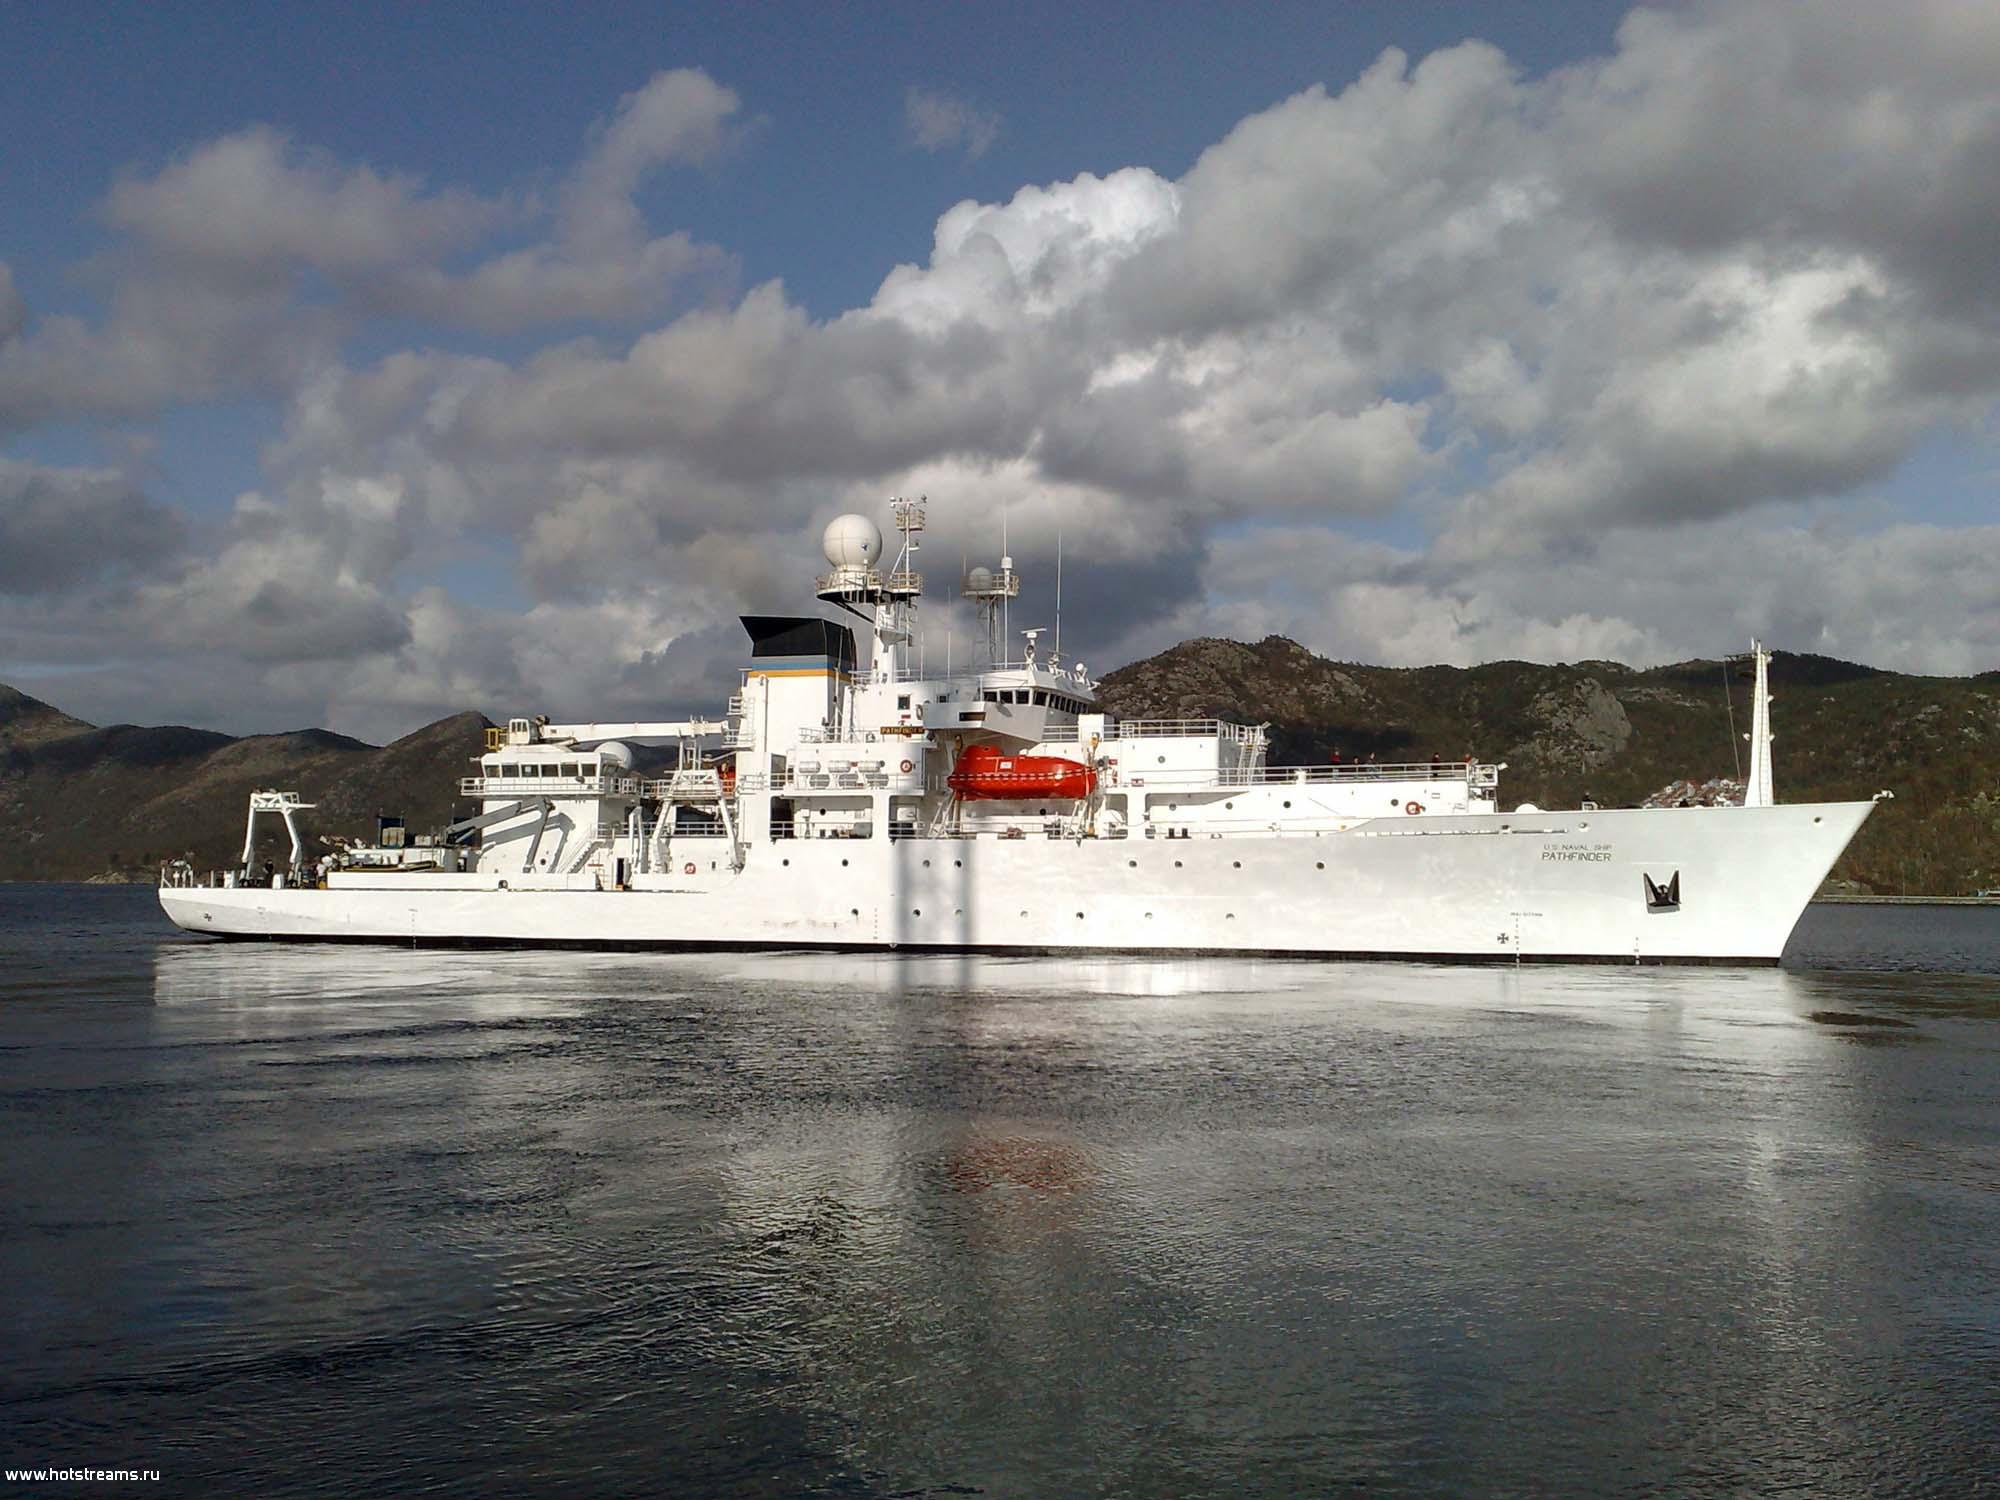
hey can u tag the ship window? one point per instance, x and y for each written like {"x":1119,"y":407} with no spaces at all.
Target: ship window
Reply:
{"x":902,"y":700}
{"x":510,"y":772}
{"x":590,"y":768}
{"x":1041,"y":698}
{"x":569,"y":768}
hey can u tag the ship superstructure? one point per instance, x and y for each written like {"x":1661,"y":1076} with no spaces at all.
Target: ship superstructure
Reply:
{"x":855,"y":796}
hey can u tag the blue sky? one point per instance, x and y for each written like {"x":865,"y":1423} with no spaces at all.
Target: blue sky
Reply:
{"x":1517,"y":340}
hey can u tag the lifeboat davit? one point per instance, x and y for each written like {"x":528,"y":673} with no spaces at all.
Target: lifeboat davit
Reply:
{"x":985,"y":773}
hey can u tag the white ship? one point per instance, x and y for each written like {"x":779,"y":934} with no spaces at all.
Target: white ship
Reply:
{"x":850,"y":798}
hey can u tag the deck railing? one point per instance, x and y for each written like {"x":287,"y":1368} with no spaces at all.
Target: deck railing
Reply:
{"x":548,"y":786}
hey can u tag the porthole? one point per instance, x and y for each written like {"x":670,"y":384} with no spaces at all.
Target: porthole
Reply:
{"x":1229,"y":916}
{"x":1177,"y":864}
{"x":1227,"y":806}
{"x":1582,"y":826}
{"x":1236,"y":864}
{"x":854,"y":911}
{"x":916,"y":911}
{"x":958,"y":864}
{"x":1288,"y":804}
{"x":1819,"y":820}
{"x":786,"y":863}
{"x":1079,"y":916}
{"x":1149,"y":916}
{"x":958,"y":911}
{"x":927,"y":864}
{"x":1162,"y":760}
{"x":843,"y":864}
{"x":1319,"y":865}
{"x":1131,"y":864}
{"x":1024,"y":913}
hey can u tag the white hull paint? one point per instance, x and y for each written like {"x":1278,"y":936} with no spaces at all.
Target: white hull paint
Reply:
{"x":1482,"y":886}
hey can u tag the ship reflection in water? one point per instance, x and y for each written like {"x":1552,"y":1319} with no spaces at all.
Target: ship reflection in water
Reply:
{"x":311,"y":1220}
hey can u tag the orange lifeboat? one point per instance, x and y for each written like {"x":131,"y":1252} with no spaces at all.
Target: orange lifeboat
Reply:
{"x":985,"y":773}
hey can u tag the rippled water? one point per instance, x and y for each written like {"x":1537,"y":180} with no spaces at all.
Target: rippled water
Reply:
{"x":297,"y":1220}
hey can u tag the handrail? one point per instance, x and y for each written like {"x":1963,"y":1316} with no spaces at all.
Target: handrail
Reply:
{"x":548,"y":786}
{"x":1154,"y":729}
{"x":814,"y":781}
{"x":1477,"y":776}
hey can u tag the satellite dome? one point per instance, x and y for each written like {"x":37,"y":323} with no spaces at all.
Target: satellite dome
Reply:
{"x":979,"y":580}
{"x":852,"y":541}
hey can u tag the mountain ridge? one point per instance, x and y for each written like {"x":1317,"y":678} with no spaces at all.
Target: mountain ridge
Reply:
{"x":82,"y":802}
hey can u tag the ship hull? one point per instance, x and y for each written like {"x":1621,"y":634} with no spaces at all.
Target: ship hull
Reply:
{"x":1583,"y":886}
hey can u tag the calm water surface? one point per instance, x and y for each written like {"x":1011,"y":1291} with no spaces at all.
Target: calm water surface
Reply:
{"x":319,"y":1221}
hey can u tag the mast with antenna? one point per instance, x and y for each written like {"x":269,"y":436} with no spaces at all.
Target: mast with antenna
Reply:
{"x":1757,"y":790}
{"x":1057,"y":658}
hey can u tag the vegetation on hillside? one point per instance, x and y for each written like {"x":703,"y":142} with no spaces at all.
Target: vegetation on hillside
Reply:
{"x":1616,"y":735}
{"x":79,"y":802}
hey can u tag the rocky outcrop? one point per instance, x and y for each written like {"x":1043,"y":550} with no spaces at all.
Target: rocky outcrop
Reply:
{"x":1584,"y":725}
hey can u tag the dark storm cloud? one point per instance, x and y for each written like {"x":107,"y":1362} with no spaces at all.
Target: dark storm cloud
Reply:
{"x":62,"y":529}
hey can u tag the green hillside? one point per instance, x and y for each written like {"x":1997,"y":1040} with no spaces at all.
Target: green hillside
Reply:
{"x":1618,"y":735}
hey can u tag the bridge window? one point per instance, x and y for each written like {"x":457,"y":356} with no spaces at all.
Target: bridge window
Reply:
{"x":569,"y":768}
{"x":510,"y":773}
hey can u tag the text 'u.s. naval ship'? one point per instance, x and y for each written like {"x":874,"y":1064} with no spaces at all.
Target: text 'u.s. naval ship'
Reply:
{"x":850,"y":798}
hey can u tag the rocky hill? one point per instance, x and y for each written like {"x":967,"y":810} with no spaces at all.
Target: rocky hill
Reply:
{"x":1618,"y":735}
{"x":82,"y":803}
{"x":78,"y":802}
